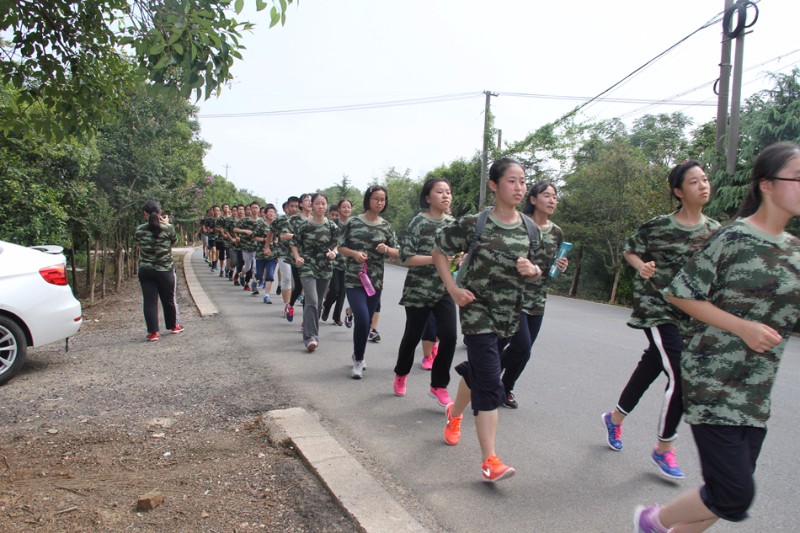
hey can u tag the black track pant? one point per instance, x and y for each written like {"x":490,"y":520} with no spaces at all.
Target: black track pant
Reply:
{"x":158,"y":284}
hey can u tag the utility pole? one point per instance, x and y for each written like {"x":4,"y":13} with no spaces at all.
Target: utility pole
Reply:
{"x":485,"y":154}
{"x":736,"y":96}
{"x":723,"y":89}
{"x":226,"y":171}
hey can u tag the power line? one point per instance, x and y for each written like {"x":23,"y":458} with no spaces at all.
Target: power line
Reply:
{"x":605,"y":100}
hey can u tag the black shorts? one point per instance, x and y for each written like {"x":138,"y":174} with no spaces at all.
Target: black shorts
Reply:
{"x":212,"y":243}
{"x":481,"y":371}
{"x":728,"y":456}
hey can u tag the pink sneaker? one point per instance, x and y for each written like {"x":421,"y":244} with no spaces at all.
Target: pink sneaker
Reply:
{"x":400,"y":385}
{"x":427,"y":363}
{"x":440,"y":395}
{"x":435,"y":350}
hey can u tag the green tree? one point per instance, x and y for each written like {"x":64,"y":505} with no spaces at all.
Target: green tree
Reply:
{"x":403,"y":193}
{"x":662,"y":138}
{"x":70,"y":58}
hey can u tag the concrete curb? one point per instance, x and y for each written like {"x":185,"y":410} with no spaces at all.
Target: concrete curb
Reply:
{"x":356,"y":491}
{"x":201,"y":299}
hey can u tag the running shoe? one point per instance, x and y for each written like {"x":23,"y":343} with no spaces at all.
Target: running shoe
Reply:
{"x":374,"y":336}
{"x":236,"y":282}
{"x":400,"y":385}
{"x":152,"y":337}
{"x":427,"y":363}
{"x":348,"y":318}
{"x":267,"y":299}
{"x":452,"y":431}
{"x":358,"y":369}
{"x":510,"y":401}
{"x":493,"y":469}
{"x":613,"y":433}
{"x":278,"y":290}
{"x":363,"y":361}
{"x":301,"y":299}
{"x":667,"y":465}
{"x":254,"y":292}
{"x":325,"y":312}
{"x":338,"y":323}
{"x":245,"y":287}
{"x":645,"y":520}
{"x":440,"y":395}
{"x":435,"y":350}
{"x":220,"y":273}
{"x":289,"y":312}
{"x":312,"y":345}
{"x":177,"y":329}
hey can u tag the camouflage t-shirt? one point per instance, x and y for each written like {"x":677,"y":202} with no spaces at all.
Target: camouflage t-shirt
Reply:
{"x":535,"y":290}
{"x":669,"y":244}
{"x":492,"y":275}
{"x":361,"y":235}
{"x":206,"y":223}
{"x":261,"y":230}
{"x":313,"y":242}
{"x":230,"y":223}
{"x":754,"y":276}
{"x":246,"y":243}
{"x":339,"y":262}
{"x":423,"y":286}
{"x":293,"y":224}
{"x":279,"y":248}
{"x":219,"y":225}
{"x":155,"y":252}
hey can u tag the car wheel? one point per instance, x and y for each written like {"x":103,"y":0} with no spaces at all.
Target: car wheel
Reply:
{"x":13,"y":348}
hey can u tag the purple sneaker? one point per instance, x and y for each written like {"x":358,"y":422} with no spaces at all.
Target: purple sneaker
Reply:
{"x":645,"y":520}
{"x":613,"y":433}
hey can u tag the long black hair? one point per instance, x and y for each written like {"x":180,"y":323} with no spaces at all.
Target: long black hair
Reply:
{"x":153,"y":210}
{"x":768,"y":163}
{"x":536,"y":189}
{"x":427,"y":187}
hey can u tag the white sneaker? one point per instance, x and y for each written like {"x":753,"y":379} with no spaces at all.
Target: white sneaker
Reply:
{"x":363,"y":361}
{"x":358,"y":369}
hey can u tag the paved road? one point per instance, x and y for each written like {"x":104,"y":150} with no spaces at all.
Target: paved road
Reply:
{"x":567,"y":479}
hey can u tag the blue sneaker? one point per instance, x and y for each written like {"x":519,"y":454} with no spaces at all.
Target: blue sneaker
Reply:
{"x":645,"y":520}
{"x":267,"y":299}
{"x":667,"y":465}
{"x":613,"y":433}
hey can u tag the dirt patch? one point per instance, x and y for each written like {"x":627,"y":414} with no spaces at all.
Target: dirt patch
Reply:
{"x":84,"y":434}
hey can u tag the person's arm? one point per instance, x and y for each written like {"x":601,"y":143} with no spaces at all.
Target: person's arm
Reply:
{"x":462,"y":297}
{"x":359,"y":257}
{"x":645,"y":270}
{"x":758,"y":337}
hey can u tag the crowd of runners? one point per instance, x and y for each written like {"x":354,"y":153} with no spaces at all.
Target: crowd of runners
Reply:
{"x":717,"y":305}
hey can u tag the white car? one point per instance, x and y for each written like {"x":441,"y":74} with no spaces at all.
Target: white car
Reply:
{"x":37,"y":306}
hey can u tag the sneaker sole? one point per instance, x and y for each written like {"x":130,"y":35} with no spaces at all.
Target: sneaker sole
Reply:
{"x":666,"y":475}
{"x":505,"y":475}
{"x":603,"y":418}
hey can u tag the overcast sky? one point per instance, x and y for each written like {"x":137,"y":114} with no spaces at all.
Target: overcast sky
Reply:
{"x":353,"y":52}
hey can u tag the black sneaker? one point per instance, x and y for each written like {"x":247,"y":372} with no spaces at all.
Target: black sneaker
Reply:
{"x":278,"y":290}
{"x":348,"y":318}
{"x":325,"y":313}
{"x":374,"y":336}
{"x":510,"y":402}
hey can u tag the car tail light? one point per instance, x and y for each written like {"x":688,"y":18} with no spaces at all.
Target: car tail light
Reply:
{"x":57,"y":275}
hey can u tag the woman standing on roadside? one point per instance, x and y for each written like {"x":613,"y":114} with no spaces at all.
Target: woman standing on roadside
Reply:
{"x":657,"y":251}
{"x":336,"y":293}
{"x":156,"y":271}
{"x":366,"y":240}
{"x":424,"y":293}
{"x":540,"y":204}
{"x":314,"y":249}
{"x":743,"y":291}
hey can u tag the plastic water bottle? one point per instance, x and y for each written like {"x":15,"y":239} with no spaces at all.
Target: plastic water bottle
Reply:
{"x":563,"y":250}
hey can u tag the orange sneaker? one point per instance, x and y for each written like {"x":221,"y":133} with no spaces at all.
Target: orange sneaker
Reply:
{"x":452,"y":431}
{"x":493,"y":469}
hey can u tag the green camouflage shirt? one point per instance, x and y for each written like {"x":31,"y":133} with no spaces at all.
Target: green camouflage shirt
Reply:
{"x":362,"y":236}
{"x":206,"y":223}
{"x":230,"y":223}
{"x":423,"y":286}
{"x":535,"y":290}
{"x":755,"y":277}
{"x":155,"y":252}
{"x":313,"y":241}
{"x":492,"y":275}
{"x":261,"y":231}
{"x":339,"y":262}
{"x":279,"y":227}
{"x":669,"y":244}
{"x":247,"y":244}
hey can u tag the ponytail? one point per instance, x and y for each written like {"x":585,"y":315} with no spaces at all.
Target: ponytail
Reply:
{"x":153,"y":210}
{"x":769,"y":162}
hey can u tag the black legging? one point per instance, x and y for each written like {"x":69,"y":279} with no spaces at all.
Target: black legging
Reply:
{"x":335,"y":295}
{"x":297,"y":285}
{"x":416,"y":319}
{"x":158,"y":285}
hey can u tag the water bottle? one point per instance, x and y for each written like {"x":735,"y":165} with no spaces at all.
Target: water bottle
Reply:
{"x":563,"y":250}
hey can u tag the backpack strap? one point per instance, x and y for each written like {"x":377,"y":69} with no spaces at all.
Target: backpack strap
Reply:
{"x":533,"y":235}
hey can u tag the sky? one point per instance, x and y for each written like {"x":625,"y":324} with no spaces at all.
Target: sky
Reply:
{"x":355,"y":52}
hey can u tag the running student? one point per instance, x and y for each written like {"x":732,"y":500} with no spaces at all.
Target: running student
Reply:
{"x":247,"y":230}
{"x":292,"y":225}
{"x":366,"y":239}
{"x":540,"y":204}
{"x":156,"y":270}
{"x":424,"y":294}
{"x":314,"y":250}
{"x":743,"y":292}
{"x":658,"y":249}
{"x":490,"y":299}
{"x":265,"y":259}
{"x":336,"y":294}
{"x":281,"y":251}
